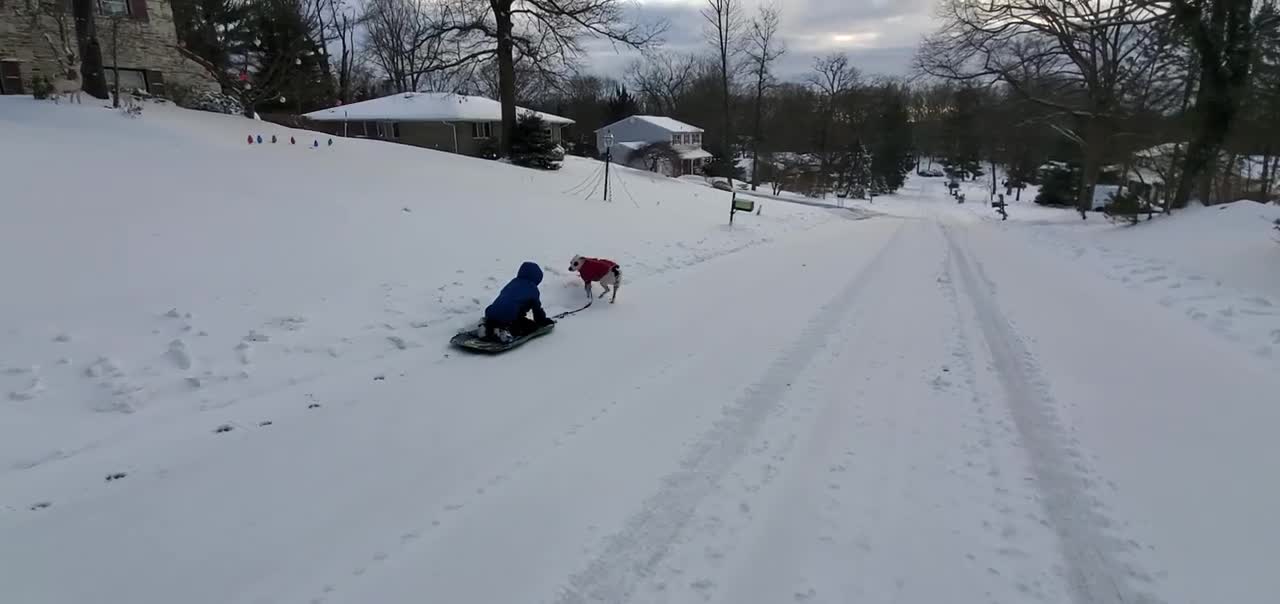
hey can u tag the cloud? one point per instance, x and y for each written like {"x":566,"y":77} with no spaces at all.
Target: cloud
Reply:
{"x":879,"y":36}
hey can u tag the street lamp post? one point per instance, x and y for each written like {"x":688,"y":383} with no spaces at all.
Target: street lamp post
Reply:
{"x":608,"y":157}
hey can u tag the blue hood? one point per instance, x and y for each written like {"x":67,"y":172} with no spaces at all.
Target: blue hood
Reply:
{"x":530,"y":272}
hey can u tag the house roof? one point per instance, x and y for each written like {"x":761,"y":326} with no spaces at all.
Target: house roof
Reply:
{"x":695,"y":154}
{"x":426,"y":107}
{"x":665,"y":123}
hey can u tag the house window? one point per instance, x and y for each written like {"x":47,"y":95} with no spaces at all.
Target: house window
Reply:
{"x":482,"y":130}
{"x":113,"y":8}
{"x":697,"y":138}
{"x":395,"y":129}
{"x":130,"y":79}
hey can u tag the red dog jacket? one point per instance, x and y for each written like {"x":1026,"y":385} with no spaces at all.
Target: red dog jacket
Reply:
{"x":594,"y":269}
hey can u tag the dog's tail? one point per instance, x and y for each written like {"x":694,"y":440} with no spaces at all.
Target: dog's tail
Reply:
{"x":617,"y":273}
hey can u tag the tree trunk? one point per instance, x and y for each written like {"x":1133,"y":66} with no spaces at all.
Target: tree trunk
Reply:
{"x":727,"y":136}
{"x":506,"y":72}
{"x":755,"y":138}
{"x":1266,"y":173}
{"x":1223,"y":46}
{"x":93,"y":81}
{"x":115,"y":61}
{"x":1094,"y":146}
{"x":993,"y":177}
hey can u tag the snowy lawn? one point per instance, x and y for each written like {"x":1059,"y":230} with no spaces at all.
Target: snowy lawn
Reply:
{"x":173,"y":267}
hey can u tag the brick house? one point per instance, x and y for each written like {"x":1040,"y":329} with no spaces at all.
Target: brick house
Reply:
{"x":147,"y":45}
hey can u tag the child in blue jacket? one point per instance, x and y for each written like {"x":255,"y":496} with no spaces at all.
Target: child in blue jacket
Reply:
{"x":506,"y":319}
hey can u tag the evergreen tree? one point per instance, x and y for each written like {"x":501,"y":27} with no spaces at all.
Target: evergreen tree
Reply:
{"x":1059,"y":186}
{"x":621,"y":105}
{"x":531,"y":144}
{"x":892,"y":150}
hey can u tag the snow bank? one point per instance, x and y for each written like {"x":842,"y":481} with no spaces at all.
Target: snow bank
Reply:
{"x":161,"y":265}
{"x":1217,"y":265}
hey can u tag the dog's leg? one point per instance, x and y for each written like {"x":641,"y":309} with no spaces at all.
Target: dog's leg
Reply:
{"x":605,"y":286}
{"x":616,"y":284}
{"x":590,"y":294}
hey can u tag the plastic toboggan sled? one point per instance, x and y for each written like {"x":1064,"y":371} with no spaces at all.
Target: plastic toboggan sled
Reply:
{"x":471,"y":340}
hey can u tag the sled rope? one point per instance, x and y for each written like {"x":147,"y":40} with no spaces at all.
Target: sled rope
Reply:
{"x":569,"y":313}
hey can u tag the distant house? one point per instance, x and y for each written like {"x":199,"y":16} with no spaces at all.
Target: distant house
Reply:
{"x":639,"y":131}
{"x":149,"y":57}
{"x":435,"y":120}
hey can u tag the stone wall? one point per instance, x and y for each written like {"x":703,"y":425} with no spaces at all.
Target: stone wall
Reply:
{"x":144,"y":44}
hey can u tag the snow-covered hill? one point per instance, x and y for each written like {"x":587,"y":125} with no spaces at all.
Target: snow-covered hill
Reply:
{"x":224,"y":379}
{"x":162,"y":264}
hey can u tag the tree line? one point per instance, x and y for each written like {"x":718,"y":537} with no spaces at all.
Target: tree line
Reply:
{"x":1184,"y":93}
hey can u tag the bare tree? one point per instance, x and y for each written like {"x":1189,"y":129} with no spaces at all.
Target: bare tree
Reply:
{"x":544,"y":35}
{"x":115,"y":21}
{"x":763,"y":50}
{"x":407,"y":39}
{"x":832,"y":78}
{"x":1077,"y":57}
{"x":1221,"y":32}
{"x":337,"y":23}
{"x":724,"y":31}
{"x":662,"y":78}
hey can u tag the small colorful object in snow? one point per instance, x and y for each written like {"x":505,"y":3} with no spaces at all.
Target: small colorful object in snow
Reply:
{"x":273,"y":139}
{"x":259,"y":139}
{"x":330,"y":142}
{"x":250,"y":139}
{"x":315,"y":144}
{"x":293,"y":141}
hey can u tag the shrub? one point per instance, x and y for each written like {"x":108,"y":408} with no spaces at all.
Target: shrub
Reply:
{"x":531,"y":144}
{"x":1127,"y":206}
{"x":1061,"y":186}
{"x":213,"y":102}
{"x":41,"y":87}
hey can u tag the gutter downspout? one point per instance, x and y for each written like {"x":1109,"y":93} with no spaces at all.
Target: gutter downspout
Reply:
{"x":454,"y":127}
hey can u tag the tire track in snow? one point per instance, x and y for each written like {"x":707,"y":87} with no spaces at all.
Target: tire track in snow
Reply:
{"x":630,"y":556}
{"x":1096,"y":571}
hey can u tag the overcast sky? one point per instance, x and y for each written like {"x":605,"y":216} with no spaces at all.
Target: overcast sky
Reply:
{"x":880,"y":36}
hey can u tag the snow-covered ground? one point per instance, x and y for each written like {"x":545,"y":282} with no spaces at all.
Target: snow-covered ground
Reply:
{"x":928,"y":405}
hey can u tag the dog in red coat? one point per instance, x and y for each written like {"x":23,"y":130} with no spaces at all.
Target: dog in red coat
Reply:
{"x":598,"y":270}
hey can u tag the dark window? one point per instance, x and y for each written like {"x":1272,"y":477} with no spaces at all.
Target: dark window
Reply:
{"x":114,"y":8}
{"x":482,"y":130}
{"x":395,"y":129}
{"x":130,"y":79}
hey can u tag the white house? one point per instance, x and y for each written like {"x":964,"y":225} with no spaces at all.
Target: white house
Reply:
{"x":436,"y":120}
{"x":638,"y":131}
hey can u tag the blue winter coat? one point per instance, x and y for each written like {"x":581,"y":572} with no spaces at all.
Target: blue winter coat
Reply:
{"x":518,"y":297}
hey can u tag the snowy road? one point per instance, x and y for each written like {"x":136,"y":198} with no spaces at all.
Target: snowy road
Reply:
{"x":885,"y":410}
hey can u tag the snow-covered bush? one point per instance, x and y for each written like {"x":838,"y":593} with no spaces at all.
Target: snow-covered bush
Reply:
{"x":1061,"y":186}
{"x":1127,"y":206}
{"x":214,"y":102}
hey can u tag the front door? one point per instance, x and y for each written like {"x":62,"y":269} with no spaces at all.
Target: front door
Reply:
{"x":10,"y":77}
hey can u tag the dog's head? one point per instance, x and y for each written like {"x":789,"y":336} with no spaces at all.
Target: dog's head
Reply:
{"x":576,"y":264}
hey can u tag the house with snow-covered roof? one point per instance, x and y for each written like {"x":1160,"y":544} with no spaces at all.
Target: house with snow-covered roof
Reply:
{"x":632,"y":134}
{"x":469,"y":125}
